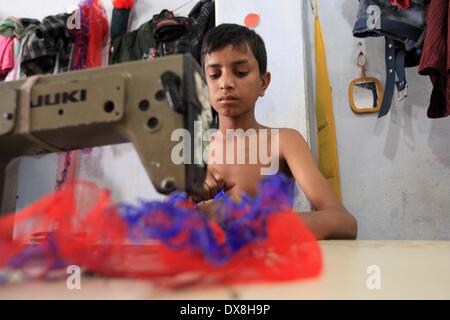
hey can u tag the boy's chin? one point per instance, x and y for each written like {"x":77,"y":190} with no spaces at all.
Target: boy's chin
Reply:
{"x":232,"y":112}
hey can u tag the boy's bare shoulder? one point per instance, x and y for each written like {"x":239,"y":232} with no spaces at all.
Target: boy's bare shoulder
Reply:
{"x":292,"y":143}
{"x":289,"y":136}
{"x":288,"y":132}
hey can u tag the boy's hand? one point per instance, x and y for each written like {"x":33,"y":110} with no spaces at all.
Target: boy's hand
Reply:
{"x":214,"y":183}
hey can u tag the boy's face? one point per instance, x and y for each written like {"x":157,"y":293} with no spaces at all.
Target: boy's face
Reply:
{"x":234,"y":81}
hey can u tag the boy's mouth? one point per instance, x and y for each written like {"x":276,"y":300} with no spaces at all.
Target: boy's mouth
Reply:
{"x":228,"y":99}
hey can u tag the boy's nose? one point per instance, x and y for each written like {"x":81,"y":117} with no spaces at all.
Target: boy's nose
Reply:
{"x":226,"y":83}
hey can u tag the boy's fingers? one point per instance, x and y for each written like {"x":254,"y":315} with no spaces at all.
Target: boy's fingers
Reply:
{"x":214,"y":183}
{"x":204,"y":195}
{"x":221,"y":183}
{"x":210,"y":190}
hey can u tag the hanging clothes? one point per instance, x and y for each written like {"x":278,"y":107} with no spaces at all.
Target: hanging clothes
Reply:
{"x":130,"y":46}
{"x":164,"y":34}
{"x":402,"y":4}
{"x":7,"y":28}
{"x":21,"y":30}
{"x":15,"y":72}
{"x":45,"y":43}
{"x":21,"y":26}
{"x":90,"y":38}
{"x":202,"y":18}
{"x":435,"y":60}
{"x":120,"y":20}
{"x":6,"y":55}
{"x":403,"y":29}
{"x":87,"y":53}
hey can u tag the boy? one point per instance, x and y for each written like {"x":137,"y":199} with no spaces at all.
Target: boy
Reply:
{"x":234,"y":61}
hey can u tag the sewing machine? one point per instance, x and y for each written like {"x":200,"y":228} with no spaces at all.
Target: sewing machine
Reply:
{"x":140,"y":102}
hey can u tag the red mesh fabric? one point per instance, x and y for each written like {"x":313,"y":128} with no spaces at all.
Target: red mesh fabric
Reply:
{"x":80,"y":225}
{"x":98,"y":28}
{"x":90,"y":38}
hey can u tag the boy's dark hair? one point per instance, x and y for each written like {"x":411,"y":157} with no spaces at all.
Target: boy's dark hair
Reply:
{"x":238,"y":36}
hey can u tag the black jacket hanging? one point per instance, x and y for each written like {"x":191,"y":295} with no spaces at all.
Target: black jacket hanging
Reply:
{"x":164,"y":34}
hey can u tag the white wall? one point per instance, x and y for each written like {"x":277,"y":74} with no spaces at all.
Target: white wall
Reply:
{"x":395,"y":171}
{"x":285,"y":102}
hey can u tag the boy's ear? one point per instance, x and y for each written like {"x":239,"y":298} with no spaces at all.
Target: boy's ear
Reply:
{"x":265,"y":81}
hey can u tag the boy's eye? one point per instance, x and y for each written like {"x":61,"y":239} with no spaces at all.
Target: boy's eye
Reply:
{"x":241,"y":74}
{"x":214,"y":75}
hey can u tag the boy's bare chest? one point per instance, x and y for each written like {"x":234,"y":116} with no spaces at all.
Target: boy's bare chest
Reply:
{"x":246,"y":161}
{"x":246,"y":176}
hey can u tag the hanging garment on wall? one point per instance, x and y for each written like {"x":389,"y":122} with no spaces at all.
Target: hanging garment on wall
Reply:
{"x":90,"y":36}
{"x":201,"y":18}
{"x":435,"y":60}
{"x":401,"y":3}
{"x":46,"y":45}
{"x":167,"y":30}
{"x":7,"y":28}
{"x":164,"y":34}
{"x":120,"y":20}
{"x":403,"y":29}
{"x":326,"y":133}
{"x":89,"y":42}
{"x":135,"y":45}
{"x":14,"y":73}
{"x":148,"y":41}
{"x":184,"y":35}
{"x":6,"y":55}
{"x":18,"y":27}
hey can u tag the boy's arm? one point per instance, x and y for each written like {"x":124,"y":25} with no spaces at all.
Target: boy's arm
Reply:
{"x":330,"y":220}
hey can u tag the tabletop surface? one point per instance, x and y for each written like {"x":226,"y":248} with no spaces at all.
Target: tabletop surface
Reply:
{"x":352,"y":270}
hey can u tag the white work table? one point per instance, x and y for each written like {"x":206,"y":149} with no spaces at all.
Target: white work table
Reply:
{"x":406,"y":270}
